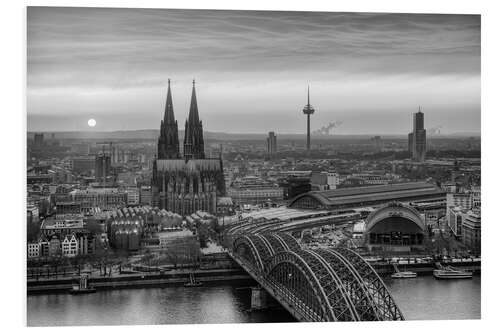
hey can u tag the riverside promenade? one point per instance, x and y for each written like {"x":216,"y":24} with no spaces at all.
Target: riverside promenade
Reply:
{"x":139,"y":280}
{"x":178,"y":277}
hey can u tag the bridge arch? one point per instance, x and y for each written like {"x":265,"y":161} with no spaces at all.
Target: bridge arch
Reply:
{"x":316,"y":285}
{"x":290,"y":242}
{"x":258,"y":249}
{"x":304,"y":278}
{"x":293,"y":278}
{"x":277,"y":244}
{"x":381,"y":296}
{"x":355,"y":288}
{"x":245,"y":247}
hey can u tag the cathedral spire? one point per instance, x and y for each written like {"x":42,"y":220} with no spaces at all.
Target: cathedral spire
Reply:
{"x":193,"y":134}
{"x":168,"y":117}
{"x":193,"y":109}
{"x":168,"y":142}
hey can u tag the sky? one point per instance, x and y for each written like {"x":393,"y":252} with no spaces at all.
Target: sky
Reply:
{"x":368,"y":72}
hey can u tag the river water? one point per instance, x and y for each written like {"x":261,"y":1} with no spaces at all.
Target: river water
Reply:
{"x":420,"y":298}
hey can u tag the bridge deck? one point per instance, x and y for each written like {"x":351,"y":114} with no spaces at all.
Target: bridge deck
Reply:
{"x":315,"y":285}
{"x":271,"y":290}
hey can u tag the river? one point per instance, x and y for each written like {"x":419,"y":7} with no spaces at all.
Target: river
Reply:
{"x":419,"y":298}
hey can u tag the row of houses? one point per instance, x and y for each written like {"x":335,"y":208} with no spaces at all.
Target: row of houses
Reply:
{"x":70,"y":245}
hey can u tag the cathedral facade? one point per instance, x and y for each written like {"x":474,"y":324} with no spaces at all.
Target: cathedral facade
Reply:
{"x":185,"y":183}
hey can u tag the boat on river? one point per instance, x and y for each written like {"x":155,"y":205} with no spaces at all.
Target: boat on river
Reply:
{"x":83,"y":287}
{"x":402,"y":274}
{"x":192,"y":282}
{"x":448,"y":272}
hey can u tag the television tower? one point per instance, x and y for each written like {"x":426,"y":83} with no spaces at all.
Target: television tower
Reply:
{"x":308,"y":110}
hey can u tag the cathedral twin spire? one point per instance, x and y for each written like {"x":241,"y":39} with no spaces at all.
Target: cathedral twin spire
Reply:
{"x":169,"y":108}
{"x":168,"y":143}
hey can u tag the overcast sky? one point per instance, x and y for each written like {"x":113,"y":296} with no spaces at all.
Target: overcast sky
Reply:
{"x":368,"y":71}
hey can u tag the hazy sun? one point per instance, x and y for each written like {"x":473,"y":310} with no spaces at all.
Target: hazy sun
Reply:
{"x":91,"y":122}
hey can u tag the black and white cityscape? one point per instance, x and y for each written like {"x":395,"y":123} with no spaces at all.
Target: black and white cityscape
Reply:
{"x":216,"y":166}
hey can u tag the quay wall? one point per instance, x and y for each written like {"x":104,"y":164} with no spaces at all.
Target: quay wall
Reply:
{"x":207,"y":276}
{"x":142,"y":280}
{"x":423,"y":268}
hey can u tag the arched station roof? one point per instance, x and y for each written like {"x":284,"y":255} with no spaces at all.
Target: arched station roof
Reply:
{"x":394,"y":210}
{"x":357,"y":196}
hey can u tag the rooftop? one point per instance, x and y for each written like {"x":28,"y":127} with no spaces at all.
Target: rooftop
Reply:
{"x":93,"y":190}
{"x":175,"y":234}
{"x":375,"y":192}
{"x":283,"y":213}
{"x":65,"y":221}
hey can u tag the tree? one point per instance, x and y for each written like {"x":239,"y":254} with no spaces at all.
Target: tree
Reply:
{"x":173,"y":257}
{"x":203,"y":234}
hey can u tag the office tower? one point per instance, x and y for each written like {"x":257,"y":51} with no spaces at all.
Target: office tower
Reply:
{"x":271,"y":144}
{"x":417,"y":142}
{"x":102,"y":167}
{"x":38,"y":141}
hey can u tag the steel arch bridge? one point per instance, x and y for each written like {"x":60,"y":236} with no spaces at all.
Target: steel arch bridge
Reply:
{"x":315,"y":285}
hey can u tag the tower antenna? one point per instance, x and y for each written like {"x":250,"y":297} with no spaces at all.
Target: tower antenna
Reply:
{"x":308,"y":110}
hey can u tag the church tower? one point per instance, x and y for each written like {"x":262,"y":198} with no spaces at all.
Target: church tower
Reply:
{"x":194,"y":147}
{"x":185,"y":184}
{"x":168,"y":143}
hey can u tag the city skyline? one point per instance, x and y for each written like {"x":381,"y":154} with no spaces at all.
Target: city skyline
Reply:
{"x":297,"y":166}
{"x":86,"y":63}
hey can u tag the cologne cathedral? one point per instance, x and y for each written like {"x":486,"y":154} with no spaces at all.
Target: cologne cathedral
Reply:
{"x":185,"y":183}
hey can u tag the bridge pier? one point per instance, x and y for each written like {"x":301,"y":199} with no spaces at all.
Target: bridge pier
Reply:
{"x":259,"y":298}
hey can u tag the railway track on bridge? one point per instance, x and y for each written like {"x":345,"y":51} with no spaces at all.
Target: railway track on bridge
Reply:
{"x":314,"y":285}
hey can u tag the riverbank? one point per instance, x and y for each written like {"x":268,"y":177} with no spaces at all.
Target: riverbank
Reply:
{"x":206,"y":276}
{"x":384,"y":269}
{"x":141,"y":280}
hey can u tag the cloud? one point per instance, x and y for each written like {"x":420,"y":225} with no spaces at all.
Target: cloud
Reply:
{"x":113,"y":61}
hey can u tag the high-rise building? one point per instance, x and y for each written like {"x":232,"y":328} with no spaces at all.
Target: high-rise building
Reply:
{"x":102,"y":167}
{"x":271,"y":144}
{"x":38,"y":140}
{"x":377,"y":142}
{"x":308,"y":110}
{"x":417,"y":141}
{"x":114,"y":155}
{"x":185,"y":185}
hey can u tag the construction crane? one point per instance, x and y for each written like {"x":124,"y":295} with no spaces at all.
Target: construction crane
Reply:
{"x":110,"y":143}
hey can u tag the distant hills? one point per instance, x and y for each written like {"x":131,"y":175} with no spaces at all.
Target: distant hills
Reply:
{"x":151,"y":134}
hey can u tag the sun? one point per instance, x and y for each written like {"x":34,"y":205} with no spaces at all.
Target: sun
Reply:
{"x":91,"y":122}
